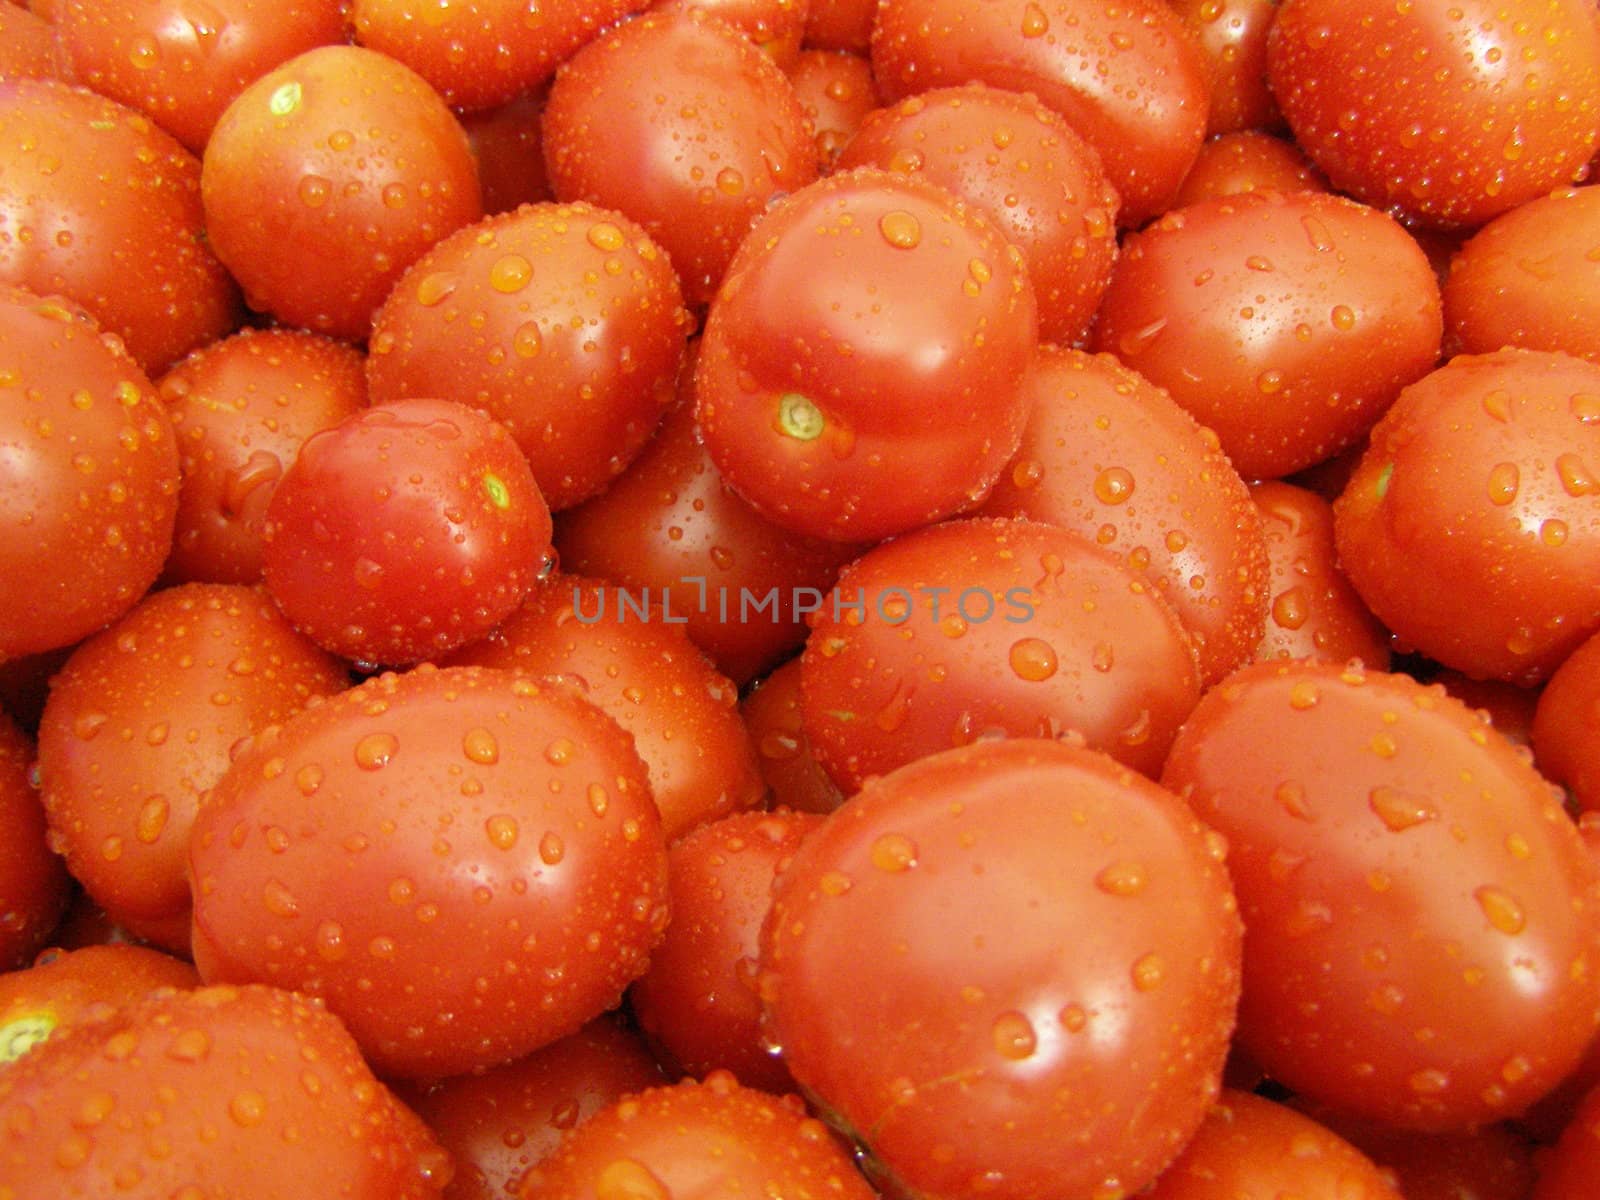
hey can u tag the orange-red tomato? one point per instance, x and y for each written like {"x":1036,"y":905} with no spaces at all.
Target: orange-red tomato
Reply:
{"x":837,"y":91}
{"x":1247,"y":160}
{"x":1566,"y":725}
{"x":775,"y":717}
{"x":34,"y":886}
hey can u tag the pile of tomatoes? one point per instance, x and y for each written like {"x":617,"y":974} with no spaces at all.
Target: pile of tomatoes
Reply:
{"x":943,"y":599}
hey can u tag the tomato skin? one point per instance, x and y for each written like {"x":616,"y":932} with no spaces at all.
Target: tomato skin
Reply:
{"x":1021,"y":163}
{"x":1111,"y":456}
{"x":1286,"y":322}
{"x":1469,"y":528}
{"x":837,"y":91}
{"x":1314,"y":612}
{"x":182,"y":65}
{"x":679,"y":121}
{"x":34,"y":886}
{"x":216,"y":1091}
{"x":1528,"y":279}
{"x":1566,"y":725}
{"x":1130,"y":78}
{"x":698,"y":1003}
{"x":976,"y":628}
{"x":241,"y":409}
{"x":1568,"y":1172}
{"x":564,"y":322}
{"x":465,"y":865}
{"x":1251,"y":1148}
{"x":916,"y":936}
{"x":1450,"y":113}
{"x":712,"y":1138}
{"x":1232,"y":34}
{"x":405,"y":531}
{"x":311,"y":202}
{"x":508,"y":143}
{"x":1420,"y":908}
{"x":860,"y":372}
{"x":500,"y":1122}
{"x":27,"y":45}
{"x":774,"y":714}
{"x":86,"y":562}
{"x":141,"y":721}
{"x":98,"y":205}
{"x":1247,"y":160}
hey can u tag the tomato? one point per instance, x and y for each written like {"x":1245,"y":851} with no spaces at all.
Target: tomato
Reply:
{"x":67,"y":987}
{"x":1530,"y":278}
{"x":465,"y":865}
{"x":1469,"y":526}
{"x":27,"y":45}
{"x":92,"y":471}
{"x":1027,"y":169}
{"x":1286,"y":322}
{"x":498,"y":1123}
{"x":711,"y":1137}
{"x":216,"y":1091}
{"x":774,"y":715}
{"x":1233,"y":36}
{"x":1451,"y":113}
{"x":141,"y":721}
{"x":1247,"y":160}
{"x":241,"y":408}
{"x":326,"y":178}
{"x":1314,"y":612}
{"x":1420,"y":909}
{"x":836,"y":90}
{"x":776,"y":26}
{"x":679,"y":121}
{"x":840,"y":24}
{"x":1569,"y":1171}
{"x":98,"y":205}
{"x":180,"y":63}
{"x":34,"y":885}
{"x":861,"y":369}
{"x":486,"y":52}
{"x":1128,"y":77}
{"x":563,"y":322}
{"x":978,"y":629}
{"x":676,"y":538}
{"x":1250,"y":1148}
{"x":641,"y":669}
{"x":913,"y":973}
{"x":508,"y":142}
{"x":698,"y":1003}
{"x":1566,"y":725}
{"x":1112,"y":457}
{"x":404,"y":531}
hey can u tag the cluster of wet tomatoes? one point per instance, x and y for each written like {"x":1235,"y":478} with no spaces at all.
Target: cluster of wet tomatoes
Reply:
{"x":943,"y":599}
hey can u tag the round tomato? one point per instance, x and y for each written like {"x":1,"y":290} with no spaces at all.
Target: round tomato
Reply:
{"x":914,"y":975}
{"x":837,"y":91}
{"x":774,"y":715}
{"x":34,"y":886}
{"x":861,"y":368}
{"x":1566,"y":725}
{"x":1248,"y":160}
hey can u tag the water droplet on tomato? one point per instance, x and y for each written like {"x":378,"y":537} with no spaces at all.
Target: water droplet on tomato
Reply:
{"x":894,"y":852}
{"x":1014,"y":1037}
{"x":374,"y":751}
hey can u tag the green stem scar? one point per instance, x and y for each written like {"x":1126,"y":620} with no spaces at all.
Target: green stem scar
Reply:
{"x":499,"y":494}
{"x":799,"y":418}
{"x":285,"y":98}
{"x":1382,"y":486}
{"x":22,"y":1034}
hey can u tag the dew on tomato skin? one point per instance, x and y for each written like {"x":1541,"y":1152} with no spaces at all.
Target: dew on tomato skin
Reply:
{"x":278,"y":900}
{"x":151,"y":821}
{"x":374,"y":751}
{"x":1035,"y":23}
{"x":314,"y":191}
{"x":1501,"y":909}
{"x":1503,"y":483}
{"x":1033,"y":659}
{"x":1122,"y":879}
{"x":1014,"y":1037}
{"x":1399,"y":810}
{"x":893,"y":853}
{"x":900,"y":229}
{"x":1304,"y":695}
{"x":480,"y":746}
{"x":1148,"y":973}
{"x":1307,"y":917}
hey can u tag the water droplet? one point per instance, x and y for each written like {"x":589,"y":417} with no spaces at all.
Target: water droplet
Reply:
{"x":1014,"y":1037}
{"x":1114,"y":485}
{"x":834,"y":883}
{"x":247,"y":1108}
{"x":629,"y":1179}
{"x":894,"y":852}
{"x":479,"y":746}
{"x":192,"y":1045}
{"x":1502,"y":910}
{"x":1399,"y":810}
{"x":559,"y":752}
{"x":1034,"y":22}
{"x":730,"y":182}
{"x":152,"y":819}
{"x":434,"y":287}
{"x":1303,"y":695}
{"x":1291,"y":609}
{"x":1136,"y":341}
{"x":1576,"y":478}
{"x":1430,"y":1081}
{"x":1149,"y":972}
{"x":1504,"y":479}
{"x":1343,"y":318}
{"x":527,"y":341}
{"x":278,"y":900}
{"x":603,"y":235}
{"x":900,"y":229}
{"x":552,"y":849}
{"x":1033,"y":659}
{"x":314,"y":191}
{"x":1122,"y":879}
{"x":599,"y":799}
{"x":308,"y":779}
{"x":502,"y":830}
{"x":374,"y":751}
{"x":510,"y":273}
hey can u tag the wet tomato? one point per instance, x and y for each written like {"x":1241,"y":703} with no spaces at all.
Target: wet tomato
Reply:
{"x":34,"y":885}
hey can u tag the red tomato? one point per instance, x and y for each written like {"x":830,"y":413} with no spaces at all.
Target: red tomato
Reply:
{"x":1419,"y":907}
{"x":1233,"y":37}
{"x":913,"y":973}
{"x":183,"y":63}
{"x":643,"y":671}
{"x":508,"y":142}
{"x":1314,"y":612}
{"x":1111,"y":456}
{"x":1452,"y":113}
{"x":27,"y":45}
{"x":698,"y":1002}
{"x":1027,"y":169}
{"x":1250,"y":1148}
{"x":564,"y":322}
{"x":242,"y":408}
{"x":465,"y":865}
{"x":1128,"y":77}
{"x":836,"y":90}
{"x":774,"y":715}
{"x":976,"y":629}
{"x":711,"y":1138}
{"x":679,"y":121}
{"x":1287,"y":322}
{"x":861,"y":369}
{"x":142,"y":720}
{"x":326,"y":178}
{"x":775,"y":26}
{"x":1530,"y":278}
{"x":1569,"y":1171}
{"x":1247,"y":160}
{"x":87,"y":515}
{"x":1469,"y":526}
{"x":34,"y":886}
{"x":840,"y":24}
{"x":213,"y":1092}
{"x":1566,"y":725}
{"x":98,"y":205}
{"x":498,"y":1123}
{"x":405,"y":531}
